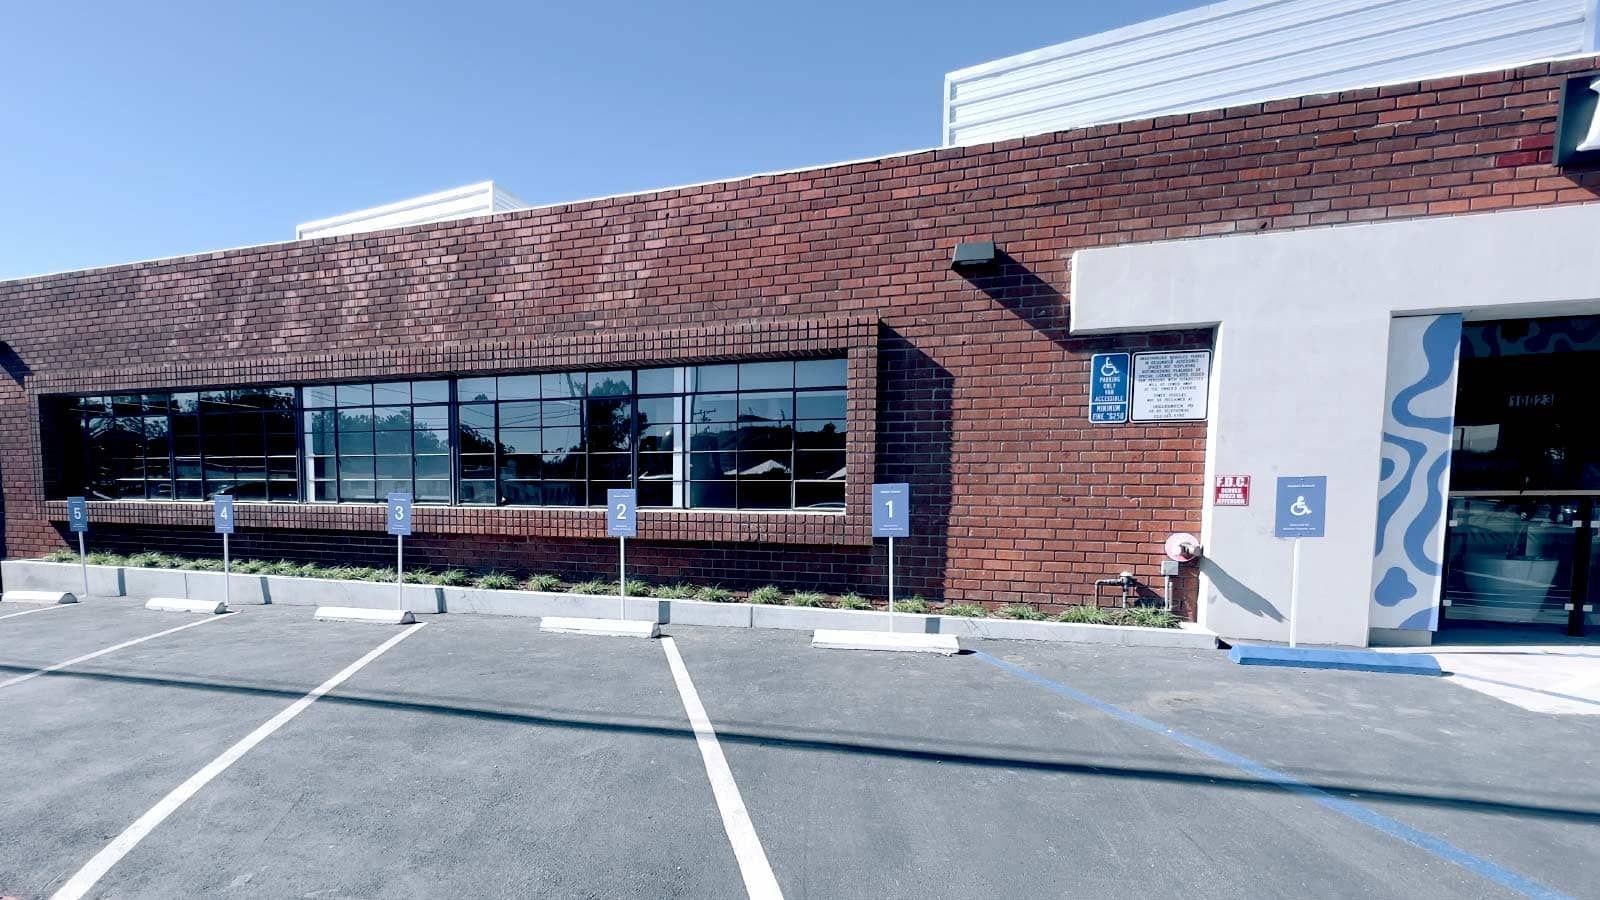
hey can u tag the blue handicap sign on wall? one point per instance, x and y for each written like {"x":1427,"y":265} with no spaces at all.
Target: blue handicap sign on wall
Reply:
{"x":222,"y":513}
{"x":1302,"y":506}
{"x":77,"y":514}
{"x":1108,"y":388}
{"x":891,"y":510}
{"x":399,"y":513}
{"x":622,"y":518}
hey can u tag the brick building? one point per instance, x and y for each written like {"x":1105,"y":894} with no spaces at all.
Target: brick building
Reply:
{"x":753,"y":354}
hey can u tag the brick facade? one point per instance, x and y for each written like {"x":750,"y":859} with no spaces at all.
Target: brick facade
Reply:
{"x":968,"y":387}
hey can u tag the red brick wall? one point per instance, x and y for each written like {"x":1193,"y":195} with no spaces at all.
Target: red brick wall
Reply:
{"x":979,"y":389}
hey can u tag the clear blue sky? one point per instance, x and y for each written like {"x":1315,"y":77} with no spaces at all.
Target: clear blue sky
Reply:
{"x":139,"y":130}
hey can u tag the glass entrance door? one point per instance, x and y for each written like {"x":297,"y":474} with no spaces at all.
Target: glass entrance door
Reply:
{"x":1517,"y":559}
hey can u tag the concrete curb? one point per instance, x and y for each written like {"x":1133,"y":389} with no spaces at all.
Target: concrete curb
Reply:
{"x":38,"y":598}
{"x":903,"y":642}
{"x":364,"y":616}
{"x":430,"y":599}
{"x":600,"y":627}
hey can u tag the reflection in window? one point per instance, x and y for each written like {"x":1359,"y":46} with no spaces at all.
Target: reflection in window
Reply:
{"x":366,"y":441}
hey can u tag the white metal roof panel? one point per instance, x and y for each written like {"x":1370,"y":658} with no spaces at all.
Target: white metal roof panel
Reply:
{"x":1248,"y":51}
{"x":480,"y":199}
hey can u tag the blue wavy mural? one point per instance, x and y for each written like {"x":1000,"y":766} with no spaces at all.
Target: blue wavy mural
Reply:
{"x":1414,"y":470}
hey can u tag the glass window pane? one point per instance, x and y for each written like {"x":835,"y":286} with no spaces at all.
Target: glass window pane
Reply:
{"x":819,"y":373}
{"x":820,"y":405}
{"x":477,"y":466}
{"x":283,"y":490}
{"x":716,"y":436}
{"x":563,"y":465}
{"x":766,"y":375}
{"x":522,"y":493}
{"x":391,"y":418}
{"x":662,"y":381}
{"x":158,"y":490}
{"x":356,"y":467}
{"x":714,"y":378}
{"x":657,"y":437}
{"x":431,"y":440}
{"x":711,"y":494}
{"x":520,"y":440}
{"x":598,"y":489}
{"x":610,"y":425}
{"x":660,"y":411}
{"x":656,"y":493}
{"x":186,"y":403}
{"x":323,"y":467}
{"x":561,"y":384}
{"x":155,"y":403}
{"x":478,"y":416}
{"x":386,"y":486}
{"x":476,"y":441}
{"x":819,"y":495}
{"x":610,"y":466}
{"x":712,"y":466}
{"x":433,"y":490}
{"x":714,"y":408}
{"x":352,"y":420}
{"x":478,"y":493}
{"x":519,"y":415}
{"x":190,"y":489}
{"x":766,"y":465}
{"x":314,"y":397}
{"x":319,"y":432}
{"x":657,"y":466}
{"x":357,"y":490}
{"x":394,"y":467}
{"x":610,"y":384}
{"x":469,"y":389}
{"x":430,"y":391}
{"x":433,"y":466}
{"x":563,"y":440}
{"x":765,"y":437}
{"x":520,"y":465}
{"x":250,"y":490}
{"x":764,"y":495}
{"x":353,"y":394}
{"x":563,"y":493}
{"x":281,"y":466}
{"x":820,"y":466}
{"x":431,"y":417}
{"x":563,"y":412}
{"x":820,"y":434}
{"x":391,"y":392}
{"x":355,"y":442}
{"x":519,"y":387}
{"x":770,"y":407}
{"x":128,"y":405}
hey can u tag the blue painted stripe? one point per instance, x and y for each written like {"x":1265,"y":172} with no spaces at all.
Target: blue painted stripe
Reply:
{"x":1354,"y":811}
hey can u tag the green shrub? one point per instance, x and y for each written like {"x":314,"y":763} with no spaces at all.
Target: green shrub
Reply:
{"x":1085,"y":615}
{"x":676,"y":591}
{"x":206,"y":565}
{"x":854,"y":600}
{"x":384,"y":575}
{"x":915,"y":605}
{"x":1146,"y":616}
{"x":452,"y":578}
{"x":766,"y":595}
{"x":542,"y":582}
{"x":143,"y":560}
{"x":973,"y":611}
{"x":1021,"y":611}
{"x":808,"y":598}
{"x":594,"y":586}
{"x":421,"y":576}
{"x":61,"y":556}
{"x":249,"y":566}
{"x":497,"y":581}
{"x":713,"y":593}
{"x":289,"y":569}
{"x":637,"y":588}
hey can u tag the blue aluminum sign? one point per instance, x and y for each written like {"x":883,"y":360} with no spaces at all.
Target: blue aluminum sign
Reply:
{"x":622,"y":519}
{"x":1108,"y":388}
{"x":891,"y":510}
{"x":222,"y":513}
{"x":1302,"y":506}
{"x":77,"y":514}
{"x":400,"y":513}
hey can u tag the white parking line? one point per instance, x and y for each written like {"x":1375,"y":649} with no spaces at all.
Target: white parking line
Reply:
{"x":759,"y":881}
{"x":96,"y":868}
{"x":112,"y":649}
{"x":38,"y":609}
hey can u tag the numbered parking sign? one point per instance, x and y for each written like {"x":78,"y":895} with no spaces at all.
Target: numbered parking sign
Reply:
{"x":891,"y":510}
{"x":400,"y":514}
{"x":622,"y":518}
{"x":77,"y":514}
{"x":222,"y":513}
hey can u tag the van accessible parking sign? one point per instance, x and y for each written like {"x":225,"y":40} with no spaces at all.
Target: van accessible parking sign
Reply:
{"x":1108,"y":388}
{"x":1302,"y":506}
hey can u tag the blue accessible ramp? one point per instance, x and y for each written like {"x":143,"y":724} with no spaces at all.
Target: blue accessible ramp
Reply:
{"x":1324,"y":658}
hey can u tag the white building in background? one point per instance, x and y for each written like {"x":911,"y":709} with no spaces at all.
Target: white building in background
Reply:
{"x":1250,"y":51}
{"x":480,"y":199}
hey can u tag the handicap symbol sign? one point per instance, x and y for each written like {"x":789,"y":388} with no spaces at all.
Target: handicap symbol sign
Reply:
{"x":1302,"y":506}
{"x":1108,"y":388}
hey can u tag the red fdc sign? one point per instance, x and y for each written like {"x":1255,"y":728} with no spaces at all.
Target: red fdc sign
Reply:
{"x":1232,"y":490}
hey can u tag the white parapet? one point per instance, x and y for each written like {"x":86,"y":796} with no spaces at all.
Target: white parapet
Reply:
{"x":178,"y":604}
{"x":367,"y":616}
{"x":38,"y":598}
{"x":602,"y":627}
{"x":904,"y":642}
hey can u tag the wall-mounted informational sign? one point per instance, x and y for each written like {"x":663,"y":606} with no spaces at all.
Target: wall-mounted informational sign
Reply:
{"x":1108,"y":388}
{"x":77,"y":514}
{"x":1232,"y":490}
{"x":1171,"y":386}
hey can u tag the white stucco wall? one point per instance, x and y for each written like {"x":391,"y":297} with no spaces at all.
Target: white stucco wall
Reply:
{"x":1298,"y":382}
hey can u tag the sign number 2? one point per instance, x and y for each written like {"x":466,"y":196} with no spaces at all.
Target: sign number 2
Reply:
{"x":622,"y":511}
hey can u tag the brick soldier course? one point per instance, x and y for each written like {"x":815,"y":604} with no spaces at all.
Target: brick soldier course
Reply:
{"x":967,"y":386}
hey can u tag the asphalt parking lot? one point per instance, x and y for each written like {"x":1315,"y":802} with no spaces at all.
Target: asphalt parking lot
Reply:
{"x":262,"y":754}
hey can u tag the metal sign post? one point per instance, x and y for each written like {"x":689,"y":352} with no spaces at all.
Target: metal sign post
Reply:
{"x":78,"y":520}
{"x":399,"y":516}
{"x":891,"y":518}
{"x":222,"y":520}
{"x":1301,"y":513}
{"x":622,"y":522}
